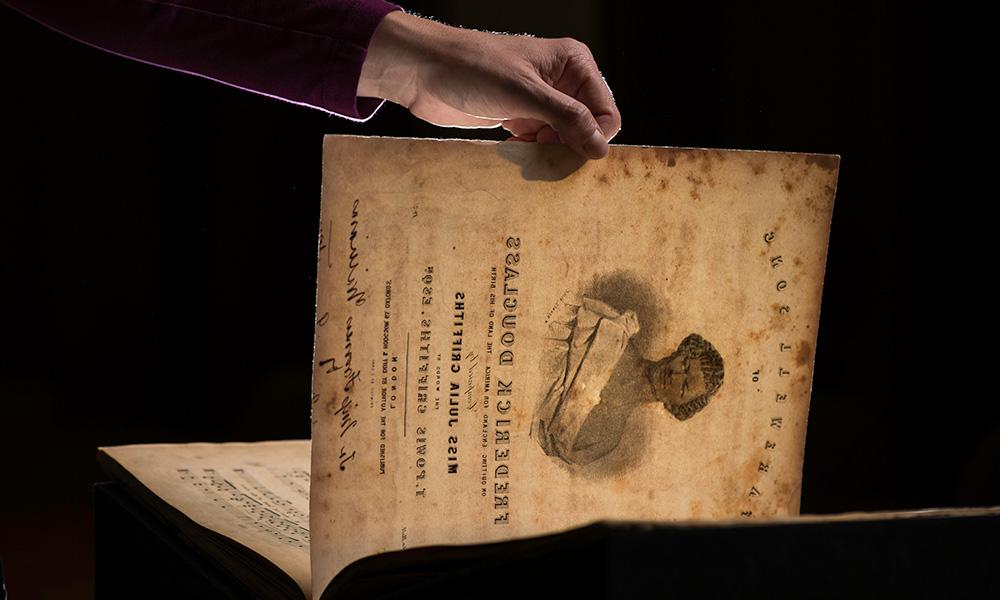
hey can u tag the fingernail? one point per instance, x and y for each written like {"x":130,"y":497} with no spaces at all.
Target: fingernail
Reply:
{"x":596,"y":146}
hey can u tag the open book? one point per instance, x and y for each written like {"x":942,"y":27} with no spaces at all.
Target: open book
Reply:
{"x":512,"y":342}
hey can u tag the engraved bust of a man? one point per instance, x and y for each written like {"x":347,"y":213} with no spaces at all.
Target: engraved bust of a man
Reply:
{"x":598,"y":378}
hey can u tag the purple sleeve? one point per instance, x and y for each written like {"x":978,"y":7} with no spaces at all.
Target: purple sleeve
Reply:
{"x":304,"y":51}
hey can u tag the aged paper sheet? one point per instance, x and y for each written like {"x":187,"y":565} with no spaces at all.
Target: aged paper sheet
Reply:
{"x":257,"y":494}
{"x":511,"y":342}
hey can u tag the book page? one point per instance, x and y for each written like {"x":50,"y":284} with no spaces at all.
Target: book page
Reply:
{"x":511,"y":341}
{"x":255,"y":493}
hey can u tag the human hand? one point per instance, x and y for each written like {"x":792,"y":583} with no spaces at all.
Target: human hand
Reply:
{"x":544,"y":90}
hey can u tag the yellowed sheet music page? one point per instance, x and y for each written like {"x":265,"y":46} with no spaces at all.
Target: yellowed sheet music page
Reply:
{"x":511,"y":341}
{"x":257,"y":493}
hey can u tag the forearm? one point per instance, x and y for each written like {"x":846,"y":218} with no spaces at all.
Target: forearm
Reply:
{"x":308,"y":51}
{"x":344,"y":56}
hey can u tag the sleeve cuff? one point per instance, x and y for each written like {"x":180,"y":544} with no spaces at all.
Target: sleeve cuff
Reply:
{"x":340,"y":89}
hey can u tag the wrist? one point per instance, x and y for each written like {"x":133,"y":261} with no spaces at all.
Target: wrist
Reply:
{"x":391,"y":66}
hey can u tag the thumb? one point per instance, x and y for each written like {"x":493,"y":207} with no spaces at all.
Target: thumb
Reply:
{"x":571,"y":119}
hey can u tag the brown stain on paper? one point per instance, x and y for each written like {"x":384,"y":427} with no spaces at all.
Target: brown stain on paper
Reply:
{"x":827,"y":162}
{"x":666,"y":155}
{"x":804,"y":354}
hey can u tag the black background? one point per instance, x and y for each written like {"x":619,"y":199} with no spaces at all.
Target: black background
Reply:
{"x":158,"y":240}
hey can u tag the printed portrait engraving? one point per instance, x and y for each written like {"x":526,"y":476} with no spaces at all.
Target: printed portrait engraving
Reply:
{"x":599,"y":375}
